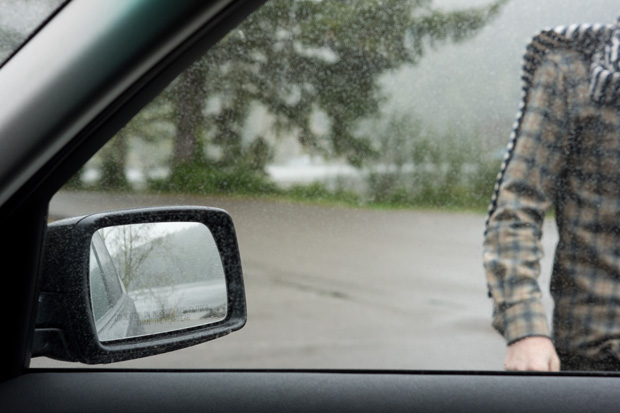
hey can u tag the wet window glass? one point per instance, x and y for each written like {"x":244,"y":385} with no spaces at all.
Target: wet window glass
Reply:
{"x":21,"y":18}
{"x":357,"y":145}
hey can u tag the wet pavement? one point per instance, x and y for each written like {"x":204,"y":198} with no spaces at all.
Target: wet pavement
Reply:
{"x":343,"y":288}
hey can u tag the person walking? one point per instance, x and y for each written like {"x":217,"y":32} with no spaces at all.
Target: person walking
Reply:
{"x":563,"y":155}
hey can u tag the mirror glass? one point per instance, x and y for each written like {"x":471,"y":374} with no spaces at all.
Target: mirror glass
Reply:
{"x":153,"y":278}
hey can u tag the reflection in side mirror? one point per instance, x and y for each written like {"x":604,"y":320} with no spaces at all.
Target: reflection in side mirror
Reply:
{"x":155,"y":277}
{"x":121,"y":285}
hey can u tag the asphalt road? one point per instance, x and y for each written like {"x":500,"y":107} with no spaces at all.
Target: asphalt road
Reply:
{"x":345,"y":288}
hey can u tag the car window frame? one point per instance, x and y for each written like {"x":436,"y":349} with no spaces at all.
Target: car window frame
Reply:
{"x":42,"y":158}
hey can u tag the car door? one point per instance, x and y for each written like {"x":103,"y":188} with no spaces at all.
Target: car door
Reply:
{"x":61,"y":102}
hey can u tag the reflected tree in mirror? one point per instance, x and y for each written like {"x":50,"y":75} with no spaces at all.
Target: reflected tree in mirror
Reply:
{"x":153,"y":278}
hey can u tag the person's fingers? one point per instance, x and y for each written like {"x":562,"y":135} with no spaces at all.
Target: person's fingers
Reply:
{"x":530,"y":365}
{"x":554,"y":364}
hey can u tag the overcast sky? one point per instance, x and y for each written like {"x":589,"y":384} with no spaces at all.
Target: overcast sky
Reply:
{"x":476,"y":85}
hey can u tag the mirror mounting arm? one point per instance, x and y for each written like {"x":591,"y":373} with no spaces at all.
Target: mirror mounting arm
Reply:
{"x":49,"y":340}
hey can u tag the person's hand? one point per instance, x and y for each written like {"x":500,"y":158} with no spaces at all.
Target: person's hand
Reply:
{"x":532,"y":354}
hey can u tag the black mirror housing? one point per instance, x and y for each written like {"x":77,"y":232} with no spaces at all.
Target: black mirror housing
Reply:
{"x":65,"y":326}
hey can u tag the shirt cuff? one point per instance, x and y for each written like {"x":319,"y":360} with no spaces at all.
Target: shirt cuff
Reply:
{"x":522,"y":320}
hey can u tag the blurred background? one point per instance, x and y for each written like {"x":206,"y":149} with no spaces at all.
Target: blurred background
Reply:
{"x":356,"y":145}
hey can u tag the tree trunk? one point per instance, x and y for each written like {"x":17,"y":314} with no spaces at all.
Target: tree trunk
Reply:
{"x":114,"y":160}
{"x":189,"y":99}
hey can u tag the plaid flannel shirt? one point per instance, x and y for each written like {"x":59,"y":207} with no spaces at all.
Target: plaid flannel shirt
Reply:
{"x":567,"y":156}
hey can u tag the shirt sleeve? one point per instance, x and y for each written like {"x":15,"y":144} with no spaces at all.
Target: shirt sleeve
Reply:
{"x":512,"y":247}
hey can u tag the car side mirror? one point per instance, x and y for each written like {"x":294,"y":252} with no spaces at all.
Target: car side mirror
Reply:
{"x":127,"y":284}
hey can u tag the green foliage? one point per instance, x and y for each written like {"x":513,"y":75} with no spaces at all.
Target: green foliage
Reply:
{"x":113,"y":161}
{"x":318,"y":192}
{"x":418,"y":167}
{"x":435,"y":27}
{"x":295,"y":59}
{"x":201,"y":178}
